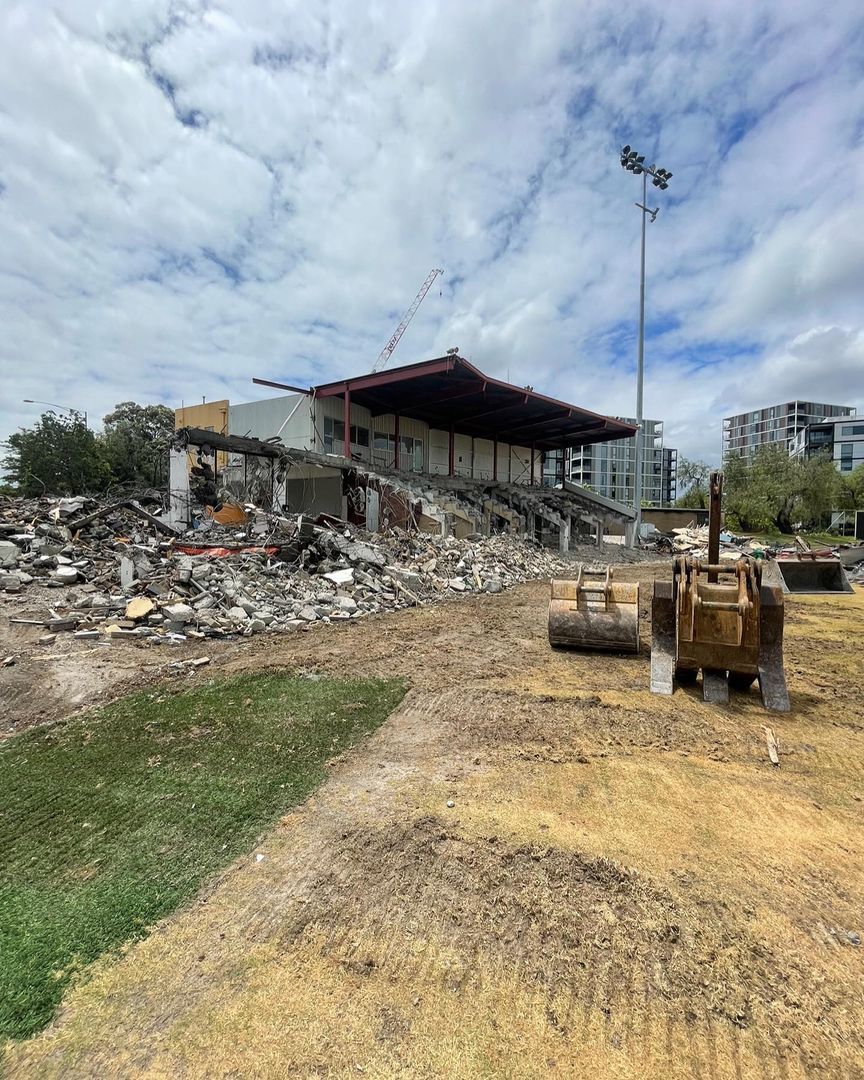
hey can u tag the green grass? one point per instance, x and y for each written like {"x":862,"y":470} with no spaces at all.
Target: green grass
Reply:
{"x":109,"y":821}
{"x":814,"y":539}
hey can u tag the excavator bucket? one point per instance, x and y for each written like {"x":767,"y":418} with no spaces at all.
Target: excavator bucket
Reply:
{"x":592,"y":611}
{"x":808,"y":574}
{"x":730,"y":630}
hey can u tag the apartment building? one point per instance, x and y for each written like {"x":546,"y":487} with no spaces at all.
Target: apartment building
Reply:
{"x":610,"y":468}
{"x":842,"y":440}
{"x":774,"y":424}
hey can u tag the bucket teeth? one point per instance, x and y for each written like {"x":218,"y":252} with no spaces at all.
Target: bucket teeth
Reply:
{"x":715,"y":687}
{"x":662,"y":638}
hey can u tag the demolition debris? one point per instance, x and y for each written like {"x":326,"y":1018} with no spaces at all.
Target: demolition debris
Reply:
{"x":115,"y":571}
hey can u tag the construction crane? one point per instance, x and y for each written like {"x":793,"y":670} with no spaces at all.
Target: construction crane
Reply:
{"x":387,"y":351}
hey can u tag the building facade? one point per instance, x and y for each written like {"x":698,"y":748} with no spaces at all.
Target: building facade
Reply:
{"x":774,"y":425}
{"x":437,"y":439}
{"x":610,"y":468}
{"x":441,"y":417}
{"x":842,"y":440}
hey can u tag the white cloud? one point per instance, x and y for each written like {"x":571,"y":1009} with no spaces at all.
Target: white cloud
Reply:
{"x":193,"y":194}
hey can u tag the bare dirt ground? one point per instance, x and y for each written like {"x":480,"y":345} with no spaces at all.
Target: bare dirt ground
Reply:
{"x":624,"y":886}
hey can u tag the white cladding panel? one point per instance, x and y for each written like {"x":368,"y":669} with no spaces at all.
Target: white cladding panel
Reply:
{"x":266,"y":418}
{"x":520,"y":465}
{"x":439,"y":451}
{"x":483,"y":454}
{"x":463,"y":448}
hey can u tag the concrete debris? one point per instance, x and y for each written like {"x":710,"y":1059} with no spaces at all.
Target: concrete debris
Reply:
{"x":139,"y":607}
{"x":124,"y":579}
{"x":8,"y":554}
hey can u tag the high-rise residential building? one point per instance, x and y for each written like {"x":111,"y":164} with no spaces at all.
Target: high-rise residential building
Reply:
{"x":610,"y":470}
{"x":775,"y":424}
{"x":840,"y":440}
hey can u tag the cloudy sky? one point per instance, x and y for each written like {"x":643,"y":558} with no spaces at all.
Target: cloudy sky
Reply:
{"x":193,"y":193}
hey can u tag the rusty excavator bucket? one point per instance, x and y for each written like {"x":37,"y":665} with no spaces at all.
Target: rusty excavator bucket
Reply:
{"x":809,"y":572}
{"x":594,"y":612}
{"x":724,"y":619}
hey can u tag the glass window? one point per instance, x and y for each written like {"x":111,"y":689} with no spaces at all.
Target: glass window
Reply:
{"x":410,"y":453}
{"x":334,"y":435}
{"x":852,"y":429}
{"x":846,"y":465}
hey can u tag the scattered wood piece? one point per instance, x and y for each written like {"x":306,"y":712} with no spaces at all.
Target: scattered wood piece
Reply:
{"x":773,"y":746}
{"x":7,"y":661}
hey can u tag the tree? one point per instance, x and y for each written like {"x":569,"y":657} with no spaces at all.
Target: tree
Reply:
{"x":59,"y":455}
{"x":850,"y":489}
{"x":137,"y":439}
{"x":693,"y":484}
{"x":779,"y":492}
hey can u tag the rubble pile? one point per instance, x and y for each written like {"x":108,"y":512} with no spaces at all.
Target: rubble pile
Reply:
{"x":693,"y":540}
{"x":115,"y":571}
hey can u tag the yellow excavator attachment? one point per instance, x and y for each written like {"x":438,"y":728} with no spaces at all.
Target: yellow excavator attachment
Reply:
{"x":591,"y":611}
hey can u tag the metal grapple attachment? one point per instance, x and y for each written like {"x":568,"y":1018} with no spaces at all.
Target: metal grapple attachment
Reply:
{"x":724,"y":620}
{"x":592,"y":611}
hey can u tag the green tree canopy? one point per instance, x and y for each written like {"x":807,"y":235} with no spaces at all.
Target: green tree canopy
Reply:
{"x":775,"y":491}
{"x":136,"y":441}
{"x":693,"y":483}
{"x":59,"y":455}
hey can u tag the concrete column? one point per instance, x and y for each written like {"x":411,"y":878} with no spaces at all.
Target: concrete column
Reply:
{"x":178,"y":489}
{"x":530,"y":524}
{"x":452,"y":454}
{"x":599,"y":534}
{"x":532,"y":464}
{"x":347,"y":419}
{"x":495,"y":458}
{"x":564,"y":534}
{"x":396,"y":440}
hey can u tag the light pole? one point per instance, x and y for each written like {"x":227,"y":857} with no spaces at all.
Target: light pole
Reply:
{"x":634,"y":162}
{"x":65,"y":408}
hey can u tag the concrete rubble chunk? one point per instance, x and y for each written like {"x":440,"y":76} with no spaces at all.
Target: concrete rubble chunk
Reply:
{"x":307,"y":613}
{"x":8,"y":554}
{"x":139,"y":607}
{"x":345,"y":603}
{"x":66,"y":575}
{"x":180,"y":613}
{"x":341,"y":577}
{"x":127,"y":573}
{"x":457,"y":584}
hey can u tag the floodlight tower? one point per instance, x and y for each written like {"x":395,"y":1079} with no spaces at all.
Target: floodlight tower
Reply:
{"x":634,"y":162}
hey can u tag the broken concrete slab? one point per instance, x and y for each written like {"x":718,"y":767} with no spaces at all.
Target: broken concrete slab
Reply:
{"x":8,"y":554}
{"x":179,"y":613}
{"x":139,"y":607}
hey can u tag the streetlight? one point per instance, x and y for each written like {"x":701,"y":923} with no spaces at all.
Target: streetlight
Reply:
{"x":634,"y":162}
{"x":65,"y":408}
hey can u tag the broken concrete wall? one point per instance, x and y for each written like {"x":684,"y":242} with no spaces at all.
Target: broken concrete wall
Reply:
{"x":266,"y":419}
{"x":314,"y":494}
